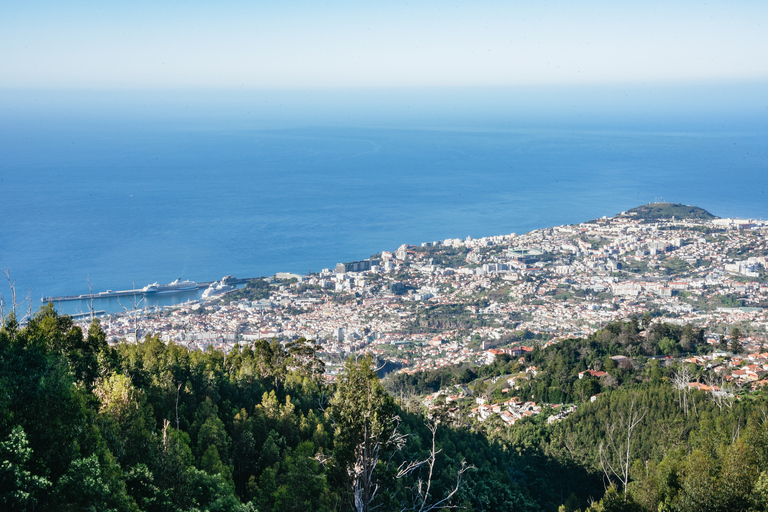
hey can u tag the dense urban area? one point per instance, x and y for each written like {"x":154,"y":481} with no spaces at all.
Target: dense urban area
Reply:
{"x":465,"y":301}
{"x":451,"y":301}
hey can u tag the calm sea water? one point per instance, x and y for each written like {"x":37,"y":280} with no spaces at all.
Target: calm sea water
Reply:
{"x":121,"y":201}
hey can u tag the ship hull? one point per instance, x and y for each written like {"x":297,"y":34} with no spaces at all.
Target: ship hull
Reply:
{"x":174,"y":287}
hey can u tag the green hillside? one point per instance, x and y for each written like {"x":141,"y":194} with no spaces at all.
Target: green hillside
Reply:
{"x":653,"y":212}
{"x":155,"y":427}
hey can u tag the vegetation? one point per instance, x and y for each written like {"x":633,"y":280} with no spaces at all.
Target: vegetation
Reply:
{"x":653,"y":212}
{"x":155,"y":427}
{"x":423,"y":383}
{"x":688,"y":450}
{"x":255,"y":289}
{"x":445,"y":256}
{"x":674,"y":266}
{"x":444,"y":317}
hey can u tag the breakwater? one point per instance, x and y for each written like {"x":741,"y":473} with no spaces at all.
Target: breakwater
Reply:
{"x":109,"y":294}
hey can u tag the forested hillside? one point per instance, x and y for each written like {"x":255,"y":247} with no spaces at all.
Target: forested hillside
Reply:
{"x":644,"y":421}
{"x":655,"y":211}
{"x":152,"y":426}
{"x":155,"y":427}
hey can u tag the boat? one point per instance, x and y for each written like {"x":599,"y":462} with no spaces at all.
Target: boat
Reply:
{"x":219,"y":288}
{"x":174,"y":287}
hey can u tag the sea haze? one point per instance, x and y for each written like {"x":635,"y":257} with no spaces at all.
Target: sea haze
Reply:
{"x":136,"y":195}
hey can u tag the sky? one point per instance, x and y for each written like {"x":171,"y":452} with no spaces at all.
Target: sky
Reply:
{"x":254,"y":44}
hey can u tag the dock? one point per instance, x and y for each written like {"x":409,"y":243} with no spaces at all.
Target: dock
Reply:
{"x":109,"y":294}
{"x":78,"y":316}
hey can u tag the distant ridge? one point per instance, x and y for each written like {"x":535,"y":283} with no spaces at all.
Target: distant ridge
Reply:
{"x":653,"y":212}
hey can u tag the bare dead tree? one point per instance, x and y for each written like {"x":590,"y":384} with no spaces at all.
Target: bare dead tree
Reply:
{"x":12,"y":286}
{"x":422,"y":491}
{"x":361,"y":472}
{"x":90,"y":293}
{"x":323,"y":399}
{"x":367,"y":460}
{"x":735,"y":432}
{"x":693,"y":401}
{"x":15,"y":305}
{"x":322,"y":458}
{"x":29,"y":306}
{"x":680,"y":379}
{"x":721,"y":392}
{"x":133,"y":313}
{"x":397,"y":438}
{"x":616,"y":450}
{"x":367,"y":456}
{"x":166,"y":424}
{"x":178,"y":391}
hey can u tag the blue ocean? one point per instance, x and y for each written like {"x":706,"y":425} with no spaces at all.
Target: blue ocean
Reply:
{"x":123,"y":197}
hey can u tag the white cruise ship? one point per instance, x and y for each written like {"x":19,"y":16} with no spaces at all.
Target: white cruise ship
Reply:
{"x":176,"y":286}
{"x":219,"y":288}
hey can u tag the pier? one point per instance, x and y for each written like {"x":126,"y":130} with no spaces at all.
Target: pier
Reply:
{"x":79,"y":316}
{"x":109,"y":294}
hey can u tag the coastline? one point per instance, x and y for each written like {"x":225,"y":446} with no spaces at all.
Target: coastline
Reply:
{"x":124,"y":205}
{"x":430,"y":305}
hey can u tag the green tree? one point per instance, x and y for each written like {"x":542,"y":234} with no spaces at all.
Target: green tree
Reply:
{"x":93,"y":484}
{"x":736,"y":347}
{"x":739,"y":473}
{"x":646,"y":320}
{"x":210,"y":462}
{"x":688,"y":338}
{"x":209,"y":492}
{"x":363,"y":414}
{"x":302,"y":355}
{"x":271,"y":359}
{"x":614,"y":501}
{"x":213,"y":433}
{"x":669,"y":346}
{"x":140,"y":484}
{"x":303,"y":486}
{"x":174,"y":461}
{"x":587,"y":387}
{"x":125,"y":420}
{"x":699,"y":484}
{"x":18,"y":486}
{"x":760,"y":492}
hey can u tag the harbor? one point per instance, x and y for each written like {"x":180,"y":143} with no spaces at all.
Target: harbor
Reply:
{"x":138,"y":292}
{"x":109,"y":294}
{"x":80,"y":316}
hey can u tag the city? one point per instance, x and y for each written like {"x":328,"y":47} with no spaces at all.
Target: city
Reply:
{"x":460,"y":301}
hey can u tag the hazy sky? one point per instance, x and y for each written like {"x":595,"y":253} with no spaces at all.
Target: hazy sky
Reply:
{"x":337,"y":43}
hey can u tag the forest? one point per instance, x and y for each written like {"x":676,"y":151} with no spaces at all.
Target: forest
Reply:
{"x":151,"y":426}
